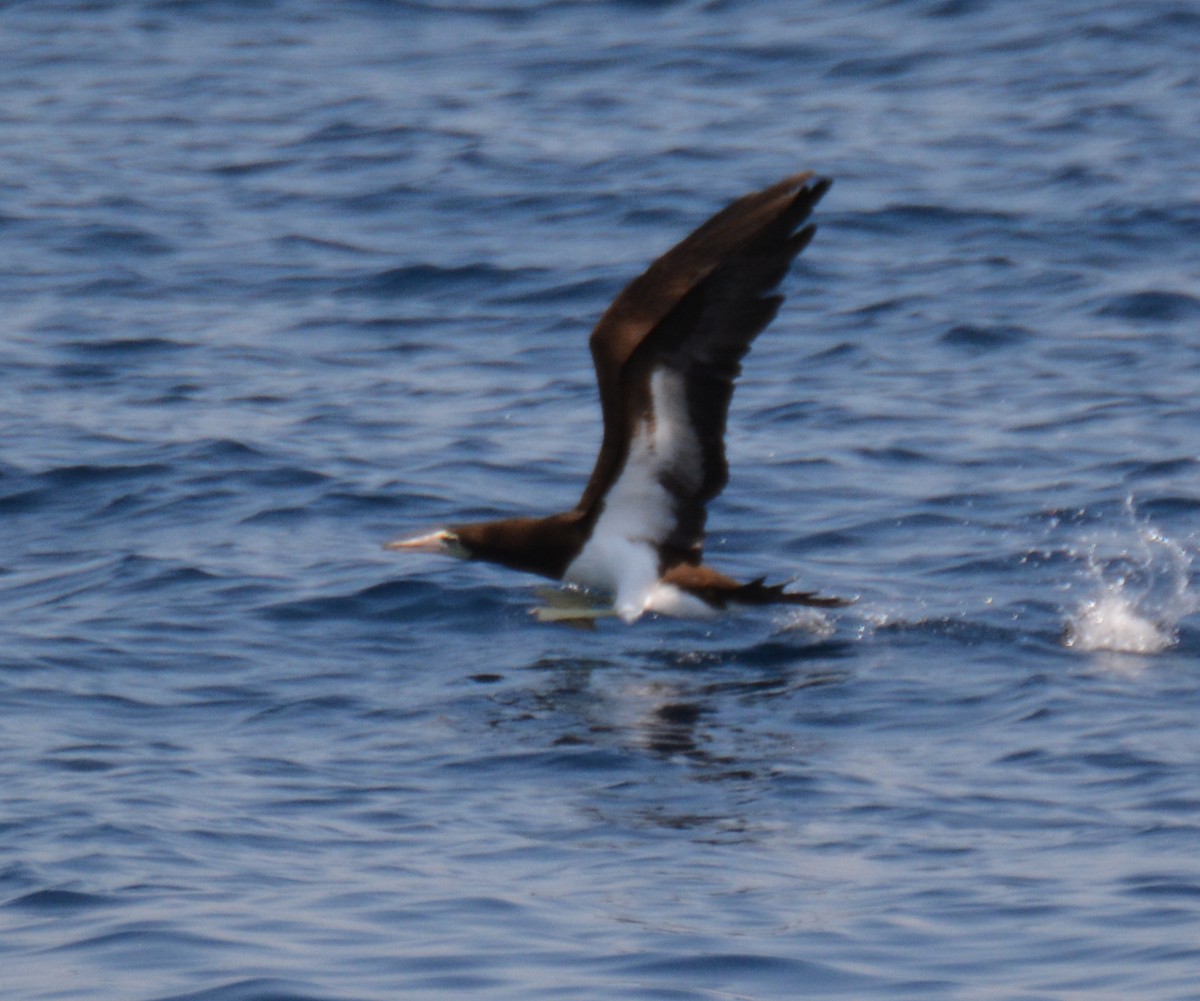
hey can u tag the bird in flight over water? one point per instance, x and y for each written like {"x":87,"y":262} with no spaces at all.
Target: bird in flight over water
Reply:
{"x":667,"y":352}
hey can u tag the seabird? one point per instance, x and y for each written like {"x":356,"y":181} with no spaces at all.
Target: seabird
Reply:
{"x":666,"y":352}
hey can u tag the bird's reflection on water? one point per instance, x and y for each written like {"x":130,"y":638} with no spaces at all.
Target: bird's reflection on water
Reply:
{"x":670,"y":703}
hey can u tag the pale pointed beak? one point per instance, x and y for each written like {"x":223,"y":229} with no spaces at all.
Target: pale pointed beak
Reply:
{"x":434,"y":542}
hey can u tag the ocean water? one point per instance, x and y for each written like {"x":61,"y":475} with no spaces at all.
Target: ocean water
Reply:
{"x":281,"y":281}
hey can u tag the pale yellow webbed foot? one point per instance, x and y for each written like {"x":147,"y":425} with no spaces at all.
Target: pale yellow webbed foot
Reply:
{"x":570,"y":608}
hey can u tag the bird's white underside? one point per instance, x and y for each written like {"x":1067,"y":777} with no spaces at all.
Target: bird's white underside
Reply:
{"x":621,"y":556}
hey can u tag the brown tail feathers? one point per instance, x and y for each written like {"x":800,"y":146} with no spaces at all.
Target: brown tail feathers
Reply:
{"x":757,"y":592}
{"x":719,"y":590}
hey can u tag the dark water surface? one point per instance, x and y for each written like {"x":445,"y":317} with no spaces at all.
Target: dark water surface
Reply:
{"x":281,"y":281}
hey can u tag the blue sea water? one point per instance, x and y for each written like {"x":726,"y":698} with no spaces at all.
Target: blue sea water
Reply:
{"x":281,"y":281}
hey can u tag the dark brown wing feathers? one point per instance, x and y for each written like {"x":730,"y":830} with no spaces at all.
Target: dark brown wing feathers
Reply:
{"x":696,"y":310}
{"x":653,"y":294}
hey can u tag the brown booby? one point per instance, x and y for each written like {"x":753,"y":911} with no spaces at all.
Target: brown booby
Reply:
{"x":666,"y":352}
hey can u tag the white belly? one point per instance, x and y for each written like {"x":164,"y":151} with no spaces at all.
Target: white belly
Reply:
{"x":628,"y":573}
{"x":621,"y":556}
{"x":621,"y":568}
{"x":667,"y":599}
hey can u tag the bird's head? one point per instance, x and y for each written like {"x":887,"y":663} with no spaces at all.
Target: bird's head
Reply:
{"x":445,"y":541}
{"x":536,"y":545}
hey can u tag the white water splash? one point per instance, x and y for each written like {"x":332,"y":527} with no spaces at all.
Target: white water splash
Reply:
{"x":1112,"y":622}
{"x":807,"y":620}
{"x":1140,"y":583}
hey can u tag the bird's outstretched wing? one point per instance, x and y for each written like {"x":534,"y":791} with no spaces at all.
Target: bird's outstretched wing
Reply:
{"x":667,"y":352}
